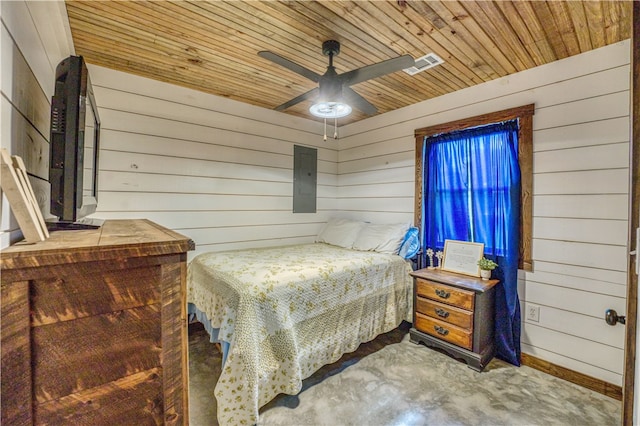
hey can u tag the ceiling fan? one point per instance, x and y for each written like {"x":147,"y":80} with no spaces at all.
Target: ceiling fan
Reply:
{"x":333,"y":94}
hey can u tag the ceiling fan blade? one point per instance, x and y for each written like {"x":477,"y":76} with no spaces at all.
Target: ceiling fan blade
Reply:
{"x":354,"y":99}
{"x":305,"y":96}
{"x":376,"y":70}
{"x":298,"y":69}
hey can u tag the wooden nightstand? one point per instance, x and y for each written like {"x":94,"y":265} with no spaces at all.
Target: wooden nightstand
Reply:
{"x":455,"y":313}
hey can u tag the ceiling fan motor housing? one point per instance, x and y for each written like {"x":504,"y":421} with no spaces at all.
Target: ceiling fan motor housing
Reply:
{"x":331,"y":48}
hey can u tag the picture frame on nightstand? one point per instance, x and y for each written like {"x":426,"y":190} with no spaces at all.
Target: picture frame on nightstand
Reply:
{"x":462,"y":257}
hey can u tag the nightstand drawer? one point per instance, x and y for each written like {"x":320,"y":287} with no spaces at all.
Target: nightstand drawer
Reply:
{"x":445,"y":294}
{"x":445,"y":331}
{"x":450,"y":314}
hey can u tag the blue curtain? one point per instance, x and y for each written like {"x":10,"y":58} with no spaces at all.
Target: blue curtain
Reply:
{"x":472,"y":193}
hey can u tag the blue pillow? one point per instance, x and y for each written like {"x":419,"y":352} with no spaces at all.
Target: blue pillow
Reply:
{"x":411,"y":244}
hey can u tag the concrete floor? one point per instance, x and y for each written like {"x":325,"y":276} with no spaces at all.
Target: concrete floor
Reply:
{"x":391,"y":381}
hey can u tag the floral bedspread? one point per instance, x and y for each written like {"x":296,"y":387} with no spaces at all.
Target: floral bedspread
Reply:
{"x":287,"y":311}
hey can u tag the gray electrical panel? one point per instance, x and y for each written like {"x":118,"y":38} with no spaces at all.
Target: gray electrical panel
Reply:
{"x":305,"y":179}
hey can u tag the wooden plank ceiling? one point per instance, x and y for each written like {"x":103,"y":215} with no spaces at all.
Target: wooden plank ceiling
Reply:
{"x":212,"y":46}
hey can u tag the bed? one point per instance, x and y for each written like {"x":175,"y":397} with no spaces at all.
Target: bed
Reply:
{"x":281,"y":313}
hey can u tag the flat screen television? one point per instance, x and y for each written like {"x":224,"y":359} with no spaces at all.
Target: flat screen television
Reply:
{"x":74,"y":147}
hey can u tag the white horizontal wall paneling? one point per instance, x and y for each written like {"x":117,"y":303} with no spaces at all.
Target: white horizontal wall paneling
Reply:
{"x":581,"y":254}
{"x":580,"y":193}
{"x":374,"y":149}
{"x":573,"y":352}
{"x":598,"y":285}
{"x":140,"y":201}
{"x":506,"y":90}
{"x":20,"y":87}
{"x":544,"y":97}
{"x":388,"y":204}
{"x":19,"y":22}
{"x":604,"y":275}
{"x":202,"y":219}
{"x":597,"y":231}
{"x":609,"y":181}
{"x":125,"y":162}
{"x":376,"y":179}
{"x":158,"y":109}
{"x":52,"y":24}
{"x":597,"y":108}
{"x":383,"y":189}
{"x":210,"y":168}
{"x":144,"y":90}
{"x":220,"y":235}
{"x":573,"y":300}
{"x":608,"y":131}
{"x":166,"y":183}
{"x":593,"y":157}
{"x":589,"y":328}
{"x":33,"y":39}
{"x":177,"y":143}
{"x":587,"y":349}
{"x":566,"y":361}
{"x":589,"y":206}
{"x":41,"y":32}
{"x":580,"y":224}
{"x":379,"y":163}
{"x":25,"y":140}
{"x":252,"y":242}
{"x":395,"y":175}
{"x":573,"y":313}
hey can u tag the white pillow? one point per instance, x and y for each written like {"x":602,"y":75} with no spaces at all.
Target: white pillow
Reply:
{"x":340,"y":232}
{"x":383,"y":238}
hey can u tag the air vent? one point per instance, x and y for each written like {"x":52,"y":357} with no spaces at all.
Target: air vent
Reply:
{"x":425,"y":62}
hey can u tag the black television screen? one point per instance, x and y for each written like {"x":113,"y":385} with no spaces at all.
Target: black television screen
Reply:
{"x":74,"y":146}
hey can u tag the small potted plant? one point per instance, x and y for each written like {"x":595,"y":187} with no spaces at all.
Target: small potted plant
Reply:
{"x":486,"y":266}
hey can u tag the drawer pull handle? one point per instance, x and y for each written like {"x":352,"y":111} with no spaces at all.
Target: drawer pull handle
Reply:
{"x":443,"y":293}
{"x":441,"y":330}
{"x":441,"y":313}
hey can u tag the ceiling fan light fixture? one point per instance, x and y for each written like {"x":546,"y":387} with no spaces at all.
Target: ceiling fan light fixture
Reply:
{"x":330,"y":109}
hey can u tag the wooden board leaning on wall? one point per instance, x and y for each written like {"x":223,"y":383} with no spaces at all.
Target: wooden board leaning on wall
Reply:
{"x":15,"y":185}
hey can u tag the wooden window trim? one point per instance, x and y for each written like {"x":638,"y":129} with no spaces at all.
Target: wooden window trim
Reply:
{"x":524,"y":115}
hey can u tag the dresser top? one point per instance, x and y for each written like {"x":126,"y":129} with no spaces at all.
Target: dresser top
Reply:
{"x":114,"y":239}
{"x":457,"y":280}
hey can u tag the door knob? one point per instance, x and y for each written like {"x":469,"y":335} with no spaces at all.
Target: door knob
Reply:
{"x":612,"y":317}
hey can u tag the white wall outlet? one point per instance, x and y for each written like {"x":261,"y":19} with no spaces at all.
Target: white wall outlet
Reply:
{"x":533,"y":312}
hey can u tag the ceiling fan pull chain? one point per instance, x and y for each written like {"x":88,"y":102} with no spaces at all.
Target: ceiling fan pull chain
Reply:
{"x":325,"y":129}
{"x":335,"y":128}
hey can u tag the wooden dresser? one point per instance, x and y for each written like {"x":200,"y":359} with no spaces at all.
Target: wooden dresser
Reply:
{"x":455,"y":313}
{"x":94,"y":328}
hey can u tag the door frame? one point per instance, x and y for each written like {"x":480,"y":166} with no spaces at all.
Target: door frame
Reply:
{"x":628,"y":385}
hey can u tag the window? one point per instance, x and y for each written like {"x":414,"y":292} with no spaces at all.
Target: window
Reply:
{"x":524,"y":117}
{"x":472,"y":188}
